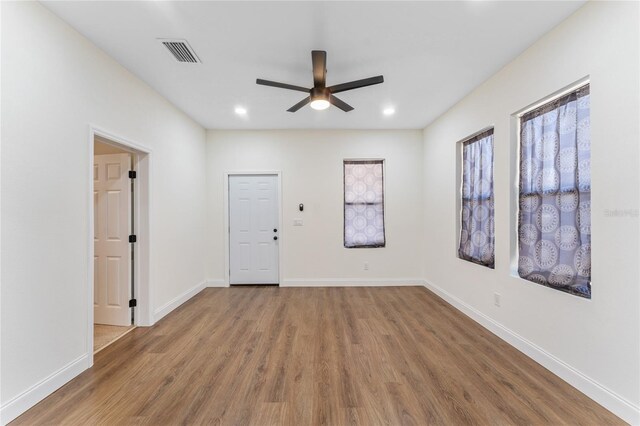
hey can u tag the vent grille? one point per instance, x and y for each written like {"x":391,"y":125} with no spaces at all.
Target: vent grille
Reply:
{"x":181,"y":51}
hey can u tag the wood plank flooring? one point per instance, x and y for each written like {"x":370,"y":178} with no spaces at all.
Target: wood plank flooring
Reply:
{"x":315,"y":356}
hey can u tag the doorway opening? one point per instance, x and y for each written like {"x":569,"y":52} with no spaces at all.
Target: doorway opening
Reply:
{"x":119,"y":294}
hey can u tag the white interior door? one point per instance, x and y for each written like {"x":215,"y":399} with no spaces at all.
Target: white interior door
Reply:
{"x":112,"y":251}
{"x":253,"y":229}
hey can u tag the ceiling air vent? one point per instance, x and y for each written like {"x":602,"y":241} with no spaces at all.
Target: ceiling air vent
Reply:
{"x":180,"y":50}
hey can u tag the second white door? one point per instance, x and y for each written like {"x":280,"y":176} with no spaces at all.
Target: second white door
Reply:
{"x":253,"y":229}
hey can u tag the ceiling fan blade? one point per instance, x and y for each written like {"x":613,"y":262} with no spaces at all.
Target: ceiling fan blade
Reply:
{"x":281,"y":85}
{"x":356,"y":84}
{"x":319,"y":60}
{"x":340,"y":104}
{"x":300,"y":104}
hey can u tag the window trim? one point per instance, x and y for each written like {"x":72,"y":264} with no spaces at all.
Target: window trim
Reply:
{"x":382,"y":162}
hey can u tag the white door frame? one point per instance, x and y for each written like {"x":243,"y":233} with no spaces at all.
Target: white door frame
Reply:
{"x":142,"y":226}
{"x":281,"y":233}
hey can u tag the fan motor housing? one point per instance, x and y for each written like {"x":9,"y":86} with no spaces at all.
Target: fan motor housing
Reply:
{"x":320,"y":93}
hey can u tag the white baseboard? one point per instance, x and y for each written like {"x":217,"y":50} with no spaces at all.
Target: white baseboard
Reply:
{"x":351,"y":282}
{"x":36,"y":393}
{"x":626,"y":410}
{"x":216,"y":283}
{"x":163,"y":310}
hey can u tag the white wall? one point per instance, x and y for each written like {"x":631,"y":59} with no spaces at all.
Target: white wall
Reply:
{"x":55,"y":83}
{"x":598,"y":339}
{"x":311,"y":166}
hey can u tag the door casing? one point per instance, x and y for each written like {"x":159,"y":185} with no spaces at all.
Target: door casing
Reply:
{"x":281,"y":232}
{"x":142,"y":224}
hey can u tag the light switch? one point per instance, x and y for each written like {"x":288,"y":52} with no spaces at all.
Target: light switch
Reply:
{"x":298,"y":222}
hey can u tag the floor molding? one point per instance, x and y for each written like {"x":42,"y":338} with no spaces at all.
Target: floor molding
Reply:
{"x":36,"y":393}
{"x":351,"y":282}
{"x":594,"y":390}
{"x":163,"y":310}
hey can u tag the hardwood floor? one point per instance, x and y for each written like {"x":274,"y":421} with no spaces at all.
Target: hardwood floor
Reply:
{"x":313,"y":356}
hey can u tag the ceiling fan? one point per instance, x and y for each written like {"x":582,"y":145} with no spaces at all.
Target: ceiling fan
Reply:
{"x":320,"y":96}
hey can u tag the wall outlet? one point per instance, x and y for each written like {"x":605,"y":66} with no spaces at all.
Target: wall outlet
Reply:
{"x":496,"y":299}
{"x":298,"y":222}
{"x":366,"y":266}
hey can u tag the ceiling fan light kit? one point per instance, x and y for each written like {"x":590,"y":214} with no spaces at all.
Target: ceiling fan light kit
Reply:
{"x":320,"y":104}
{"x":320,"y":96}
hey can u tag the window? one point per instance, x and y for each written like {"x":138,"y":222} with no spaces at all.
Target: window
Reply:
{"x":363,"y":204}
{"x":554,"y":227}
{"x":477,"y":226}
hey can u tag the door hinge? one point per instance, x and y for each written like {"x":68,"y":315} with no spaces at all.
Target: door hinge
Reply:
{"x":133,"y":303}
{"x":132,"y":174}
{"x":133,"y":238}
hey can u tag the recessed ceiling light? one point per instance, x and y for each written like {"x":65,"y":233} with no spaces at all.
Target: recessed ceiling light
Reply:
{"x":241,"y":110}
{"x":389,"y":111}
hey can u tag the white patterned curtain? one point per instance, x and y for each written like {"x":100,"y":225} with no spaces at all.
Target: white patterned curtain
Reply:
{"x":363,"y":204}
{"x":555,"y":195}
{"x":477,"y":230}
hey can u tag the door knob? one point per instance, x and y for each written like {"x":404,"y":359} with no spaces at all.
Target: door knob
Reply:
{"x":275,"y":238}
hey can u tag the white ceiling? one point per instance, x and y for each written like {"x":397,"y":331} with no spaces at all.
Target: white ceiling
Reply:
{"x":430,"y":53}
